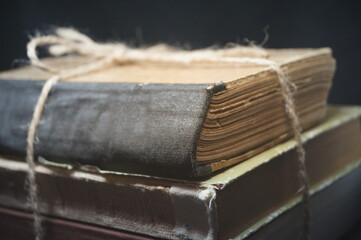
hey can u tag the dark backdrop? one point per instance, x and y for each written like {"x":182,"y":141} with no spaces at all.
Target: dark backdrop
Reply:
{"x":308,"y":23}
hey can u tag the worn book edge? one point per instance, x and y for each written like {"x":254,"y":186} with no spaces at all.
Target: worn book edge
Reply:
{"x":336,"y":116}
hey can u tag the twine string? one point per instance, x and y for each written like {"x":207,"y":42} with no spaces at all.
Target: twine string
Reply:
{"x":103,"y":55}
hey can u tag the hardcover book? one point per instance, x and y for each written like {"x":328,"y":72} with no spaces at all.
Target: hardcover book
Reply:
{"x":169,"y":120}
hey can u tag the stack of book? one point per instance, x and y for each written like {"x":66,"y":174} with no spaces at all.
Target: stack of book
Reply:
{"x":145,"y":151}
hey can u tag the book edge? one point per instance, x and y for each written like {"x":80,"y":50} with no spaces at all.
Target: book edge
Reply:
{"x":347,"y":113}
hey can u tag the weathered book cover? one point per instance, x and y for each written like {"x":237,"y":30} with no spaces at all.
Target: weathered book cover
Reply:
{"x":335,"y":207}
{"x":235,"y":202}
{"x":164,"y":120}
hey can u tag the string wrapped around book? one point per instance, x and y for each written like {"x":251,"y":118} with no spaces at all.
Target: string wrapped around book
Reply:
{"x":102,"y":55}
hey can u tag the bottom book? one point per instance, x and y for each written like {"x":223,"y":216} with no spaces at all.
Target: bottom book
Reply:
{"x":335,"y":207}
{"x":244,"y":201}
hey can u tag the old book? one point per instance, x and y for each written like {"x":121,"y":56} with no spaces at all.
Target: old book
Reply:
{"x":226,"y":205}
{"x":343,"y":193}
{"x":163,"y":119}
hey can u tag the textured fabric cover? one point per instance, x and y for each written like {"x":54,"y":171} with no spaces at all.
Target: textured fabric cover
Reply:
{"x":151,"y":129}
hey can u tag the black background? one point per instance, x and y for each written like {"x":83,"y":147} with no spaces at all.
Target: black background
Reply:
{"x":199,"y":24}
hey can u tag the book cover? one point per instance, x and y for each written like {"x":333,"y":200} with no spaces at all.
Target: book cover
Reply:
{"x":163,"y":119}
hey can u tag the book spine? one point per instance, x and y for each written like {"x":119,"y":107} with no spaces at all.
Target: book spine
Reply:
{"x":149,"y":129}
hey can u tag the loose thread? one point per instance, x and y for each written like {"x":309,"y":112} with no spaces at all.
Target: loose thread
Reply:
{"x":290,"y":109}
{"x":71,"y":41}
{"x":33,"y":187}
